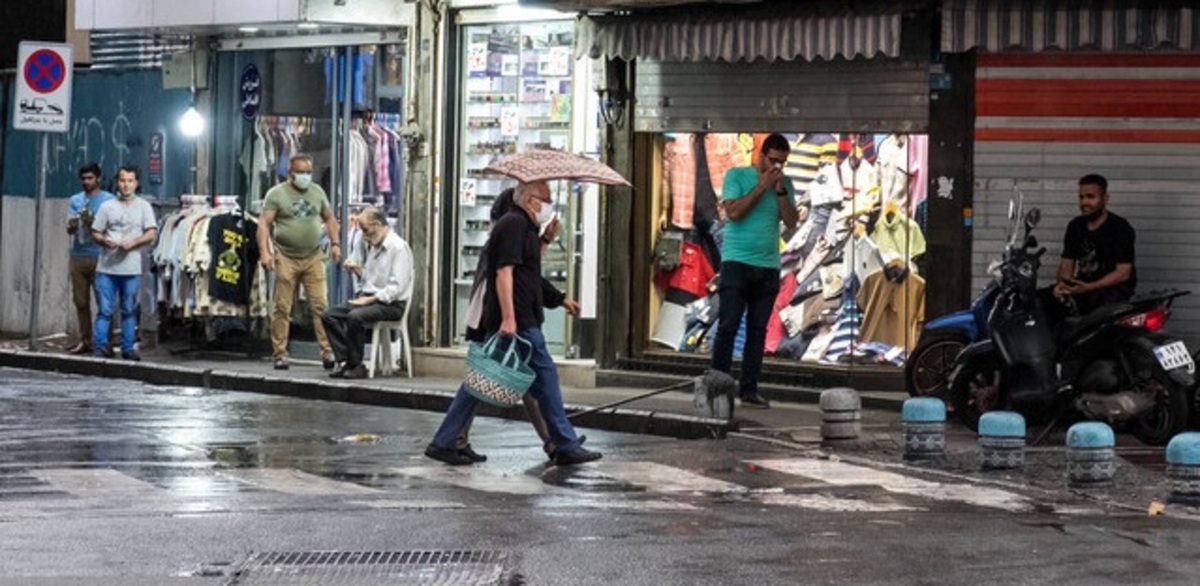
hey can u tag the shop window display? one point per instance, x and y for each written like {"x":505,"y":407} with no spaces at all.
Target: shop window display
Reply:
{"x":850,"y":289}
{"x":517,"y":85}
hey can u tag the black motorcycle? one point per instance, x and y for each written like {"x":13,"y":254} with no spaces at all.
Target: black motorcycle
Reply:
{"x":1115,"y":364}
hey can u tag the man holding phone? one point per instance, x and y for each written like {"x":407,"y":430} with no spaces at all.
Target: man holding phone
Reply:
{"x":755,"y":198}
{"x":1098,"y":252}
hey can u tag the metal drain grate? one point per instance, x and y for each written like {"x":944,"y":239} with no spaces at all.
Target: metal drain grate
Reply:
{"x":375,"y":567}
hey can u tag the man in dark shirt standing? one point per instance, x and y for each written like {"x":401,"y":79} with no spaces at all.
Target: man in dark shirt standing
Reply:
{"x":1098,"y":252}
{"x":513,"y":306}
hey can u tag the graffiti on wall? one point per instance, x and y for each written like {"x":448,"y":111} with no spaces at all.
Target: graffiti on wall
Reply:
{"x":105,"y":141}
{"x":114,"y":116}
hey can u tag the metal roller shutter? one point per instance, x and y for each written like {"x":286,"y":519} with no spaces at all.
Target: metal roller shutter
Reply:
{"x":863,"y":95}
{"x":1044,"y":121}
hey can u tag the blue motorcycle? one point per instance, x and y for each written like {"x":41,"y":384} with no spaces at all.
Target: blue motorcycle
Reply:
{"x":928,"y":367}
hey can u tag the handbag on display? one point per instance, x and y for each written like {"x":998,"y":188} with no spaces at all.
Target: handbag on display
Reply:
{"x":498,"y":376}
{"x":668,"y":249}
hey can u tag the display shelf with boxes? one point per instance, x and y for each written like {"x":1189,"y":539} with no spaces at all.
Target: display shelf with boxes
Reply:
{"x":517,"y":94}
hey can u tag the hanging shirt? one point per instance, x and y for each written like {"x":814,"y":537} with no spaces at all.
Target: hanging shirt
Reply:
{"x":900,"y":235}
{"x":679,"y":171}
{"x":918,"y":163}
{"x":233,"y":242}
{"x":809,"y":152}
{"x":895,"y":175}
{"x":895,"y":312}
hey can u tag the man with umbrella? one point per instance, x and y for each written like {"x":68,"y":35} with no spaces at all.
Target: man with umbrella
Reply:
{"x":513,"y":306}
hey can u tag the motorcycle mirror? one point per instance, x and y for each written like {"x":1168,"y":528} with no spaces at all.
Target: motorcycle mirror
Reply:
{"x":1012,"y":210}
{"x":1032,"y":218}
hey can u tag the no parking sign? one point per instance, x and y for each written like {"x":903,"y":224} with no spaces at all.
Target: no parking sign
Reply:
{"x":43,"y":87}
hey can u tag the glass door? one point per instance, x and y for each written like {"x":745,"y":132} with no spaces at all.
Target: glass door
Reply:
{"x":518,"y":92}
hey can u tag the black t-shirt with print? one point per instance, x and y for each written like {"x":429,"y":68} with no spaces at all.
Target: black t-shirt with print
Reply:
{"x":514,"y":242}
{"x":1098,"y":252}
{"x":234,"y":245}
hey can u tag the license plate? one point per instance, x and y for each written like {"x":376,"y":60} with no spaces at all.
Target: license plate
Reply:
{"x":1175,"y":355}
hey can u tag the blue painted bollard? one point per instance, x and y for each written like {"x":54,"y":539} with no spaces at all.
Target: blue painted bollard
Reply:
{"x":1002,"y":440}
{"x":841,"y":414}
{"x":1090,"y":456}
{"x":924,"y":429}
{"x":1183,"y":468}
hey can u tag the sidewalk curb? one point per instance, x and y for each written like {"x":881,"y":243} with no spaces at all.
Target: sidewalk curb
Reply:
{"x":879,"y":400}
{"x":615,"y":419}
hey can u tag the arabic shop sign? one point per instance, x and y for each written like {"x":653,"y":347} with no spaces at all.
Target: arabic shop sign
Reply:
{"x":251,"y":91}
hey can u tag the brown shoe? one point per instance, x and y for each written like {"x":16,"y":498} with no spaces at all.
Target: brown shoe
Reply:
{"x":81,"y":349}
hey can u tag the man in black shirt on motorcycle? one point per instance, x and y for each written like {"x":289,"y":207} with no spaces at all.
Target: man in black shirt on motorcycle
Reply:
{"x":1098,"y":253}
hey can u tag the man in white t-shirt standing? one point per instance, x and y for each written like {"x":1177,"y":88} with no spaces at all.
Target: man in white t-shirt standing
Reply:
{"x":123,"y":226}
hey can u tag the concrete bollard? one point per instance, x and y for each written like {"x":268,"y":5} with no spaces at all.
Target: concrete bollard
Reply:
{"x":1090,"y":456}
{"x":924,"y":429}
{"x":841,"y":414}
{"x":1002,"y":440}
{"x":1183,"y":468}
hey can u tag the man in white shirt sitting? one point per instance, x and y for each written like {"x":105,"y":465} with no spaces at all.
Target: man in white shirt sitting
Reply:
{"x":383,"y":264}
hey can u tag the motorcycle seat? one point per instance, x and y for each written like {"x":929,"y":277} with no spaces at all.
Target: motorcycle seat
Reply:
{"x":1073,"y":327}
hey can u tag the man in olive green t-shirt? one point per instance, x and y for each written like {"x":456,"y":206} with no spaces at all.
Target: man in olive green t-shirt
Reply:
{"x":291,"y":220}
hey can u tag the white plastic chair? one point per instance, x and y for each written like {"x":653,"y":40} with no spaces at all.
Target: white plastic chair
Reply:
{"x":381,"y":346}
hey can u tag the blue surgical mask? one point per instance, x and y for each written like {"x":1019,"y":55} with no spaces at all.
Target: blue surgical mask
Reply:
{"x":302,"y":180}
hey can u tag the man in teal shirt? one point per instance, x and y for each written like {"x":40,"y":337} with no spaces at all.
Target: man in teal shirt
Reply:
{"x":84,"y":250}
{"x":755,"y":198}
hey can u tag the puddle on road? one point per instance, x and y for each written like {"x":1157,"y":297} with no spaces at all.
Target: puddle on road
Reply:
{"x":587,"y":480}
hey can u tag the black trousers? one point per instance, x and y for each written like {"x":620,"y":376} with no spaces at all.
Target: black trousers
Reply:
{"x":748,"y":290}
{"x":347,"y":327}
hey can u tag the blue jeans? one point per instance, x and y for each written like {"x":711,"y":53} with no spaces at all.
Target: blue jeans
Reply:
{"x":748,"y":290}
{"x":545,"y":389}
{"x":107,"y":289}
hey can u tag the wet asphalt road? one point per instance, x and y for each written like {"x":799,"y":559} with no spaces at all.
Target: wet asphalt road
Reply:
{"x":114,"y":482}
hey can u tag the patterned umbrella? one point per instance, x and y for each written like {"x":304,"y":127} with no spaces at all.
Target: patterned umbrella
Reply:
{"x":548,"y":165}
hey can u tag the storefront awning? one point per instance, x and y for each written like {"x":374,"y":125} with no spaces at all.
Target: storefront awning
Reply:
{"x":1069,"y":25}
{"x":735,"y":34}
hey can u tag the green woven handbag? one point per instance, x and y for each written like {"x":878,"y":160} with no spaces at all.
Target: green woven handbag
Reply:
{"x":498,"y":377}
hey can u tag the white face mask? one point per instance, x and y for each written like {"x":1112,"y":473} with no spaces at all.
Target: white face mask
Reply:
{"x":545,"y":214}
{"x":302,"y":180}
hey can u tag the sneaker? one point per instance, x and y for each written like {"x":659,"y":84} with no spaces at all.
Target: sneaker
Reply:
{"x":576,"y":456}
{"x":281,"y":363}
{"x":756,"y":400}
{"x":131,"y":355}
{"x":328,"y":362}
{"x":451,"y":457}
{"x":472,"y":454}
{"x":338,"y":372}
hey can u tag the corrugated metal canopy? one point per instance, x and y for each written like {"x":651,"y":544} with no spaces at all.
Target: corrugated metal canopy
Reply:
{"x":738,"y":33}
{"x":1070,"y":25}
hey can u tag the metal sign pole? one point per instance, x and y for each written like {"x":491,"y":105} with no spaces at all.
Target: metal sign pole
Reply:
{"x":35,"y":306}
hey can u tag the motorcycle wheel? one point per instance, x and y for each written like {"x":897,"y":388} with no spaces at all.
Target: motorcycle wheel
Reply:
{"x":928,"y":368}
{"x":977,"y":388}
{"x":1170,"y":413}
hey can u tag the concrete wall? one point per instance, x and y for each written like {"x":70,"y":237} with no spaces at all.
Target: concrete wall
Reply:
{"x":56,"y":313}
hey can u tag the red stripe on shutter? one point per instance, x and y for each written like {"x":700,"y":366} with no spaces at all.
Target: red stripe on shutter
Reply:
{"x":1077,"y":135}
